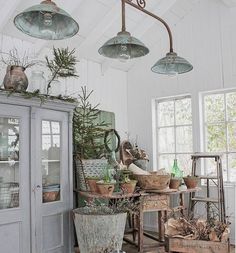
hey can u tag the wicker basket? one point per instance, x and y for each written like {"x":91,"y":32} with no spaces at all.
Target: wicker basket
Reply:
{"x":153,"y":181}
{"x":88,"y":168}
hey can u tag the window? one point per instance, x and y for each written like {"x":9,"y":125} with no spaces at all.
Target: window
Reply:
{"x":174,"y":133}
{"x":219,"y":110}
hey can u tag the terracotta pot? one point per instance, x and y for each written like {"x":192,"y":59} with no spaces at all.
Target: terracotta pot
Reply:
{"x":105,"y":188}
{"x":49,"y":196}
{"x":15,"y":78}
{"x":92,"y":183}
{"x":128,"y":187}
{"x":174,"y":183}
{"x":191,"y":182}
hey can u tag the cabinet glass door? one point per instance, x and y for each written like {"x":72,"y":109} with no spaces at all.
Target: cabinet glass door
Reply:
{"x":51,"y":142}
{"x":14,"y":179}
{"x":51,"y":180}
{"x":9,"y":162}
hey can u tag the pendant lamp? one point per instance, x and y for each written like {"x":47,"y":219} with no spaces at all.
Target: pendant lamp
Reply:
{"x":124,"y":46}
{"x":172,"y":64}
{"x":46,"y":21}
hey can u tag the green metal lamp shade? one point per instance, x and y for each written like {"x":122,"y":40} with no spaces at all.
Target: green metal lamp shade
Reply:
{"x":171,"y":65}
{"x":46,"y":21}
{"x":123,"y":47}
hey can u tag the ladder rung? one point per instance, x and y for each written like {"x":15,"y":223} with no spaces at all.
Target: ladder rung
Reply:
{"x":206,"y":155}
{"x":209,"y":177}
{"x":202,"y":199}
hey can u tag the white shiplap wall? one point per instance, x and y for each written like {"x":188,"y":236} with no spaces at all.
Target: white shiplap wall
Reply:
{"x":207,"y":38}
{"x":110,"y":86}
{"x":110,"y":90}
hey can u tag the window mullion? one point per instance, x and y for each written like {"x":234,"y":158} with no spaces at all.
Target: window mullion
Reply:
{"x":227,"y":137}
{"x":175,"y":138}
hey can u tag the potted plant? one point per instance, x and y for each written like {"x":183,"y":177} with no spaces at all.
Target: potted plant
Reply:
{"x":175,"y":182}
{"x":88,"y":137}
{"x":15,"y":78}
{"x":100,"y":228}
{"x":176,"y":176}
{"x":191,"y":181}
{"x":127,"y":185}
{"x":92,"y":183}
{"x":106,"y":186}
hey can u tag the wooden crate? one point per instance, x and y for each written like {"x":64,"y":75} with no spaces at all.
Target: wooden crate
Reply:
{"x":196,"y":246}
{"x":155,"y":203}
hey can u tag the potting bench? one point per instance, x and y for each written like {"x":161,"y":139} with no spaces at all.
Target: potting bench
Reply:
{"x":150,"y":201}
{"x":158,"y":201}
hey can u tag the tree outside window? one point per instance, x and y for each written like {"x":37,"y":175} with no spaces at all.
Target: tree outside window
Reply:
{"x":220,"y":131}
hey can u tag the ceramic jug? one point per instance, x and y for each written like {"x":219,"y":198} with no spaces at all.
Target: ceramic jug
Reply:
{"x":15,"y":78}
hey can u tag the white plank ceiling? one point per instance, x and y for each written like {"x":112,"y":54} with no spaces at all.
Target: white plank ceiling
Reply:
{"x":100,"y":20}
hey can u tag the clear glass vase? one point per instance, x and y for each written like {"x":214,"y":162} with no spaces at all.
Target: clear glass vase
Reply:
{"x":55,"y":89}
{"x":38,"y":81}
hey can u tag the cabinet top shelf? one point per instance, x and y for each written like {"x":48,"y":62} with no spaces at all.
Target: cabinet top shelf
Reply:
{"x":51,"y":103}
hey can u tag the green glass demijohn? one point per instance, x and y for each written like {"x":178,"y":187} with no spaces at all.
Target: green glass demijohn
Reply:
{"x":176,"y":172}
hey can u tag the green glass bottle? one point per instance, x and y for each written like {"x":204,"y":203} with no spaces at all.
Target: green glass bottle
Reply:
{"x":176,"y":172}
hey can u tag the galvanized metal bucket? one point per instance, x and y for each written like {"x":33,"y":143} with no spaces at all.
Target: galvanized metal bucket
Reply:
{"x":99,"y":233}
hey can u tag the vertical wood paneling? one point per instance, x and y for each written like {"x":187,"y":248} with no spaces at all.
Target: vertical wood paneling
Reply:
{"x":110,"y":90}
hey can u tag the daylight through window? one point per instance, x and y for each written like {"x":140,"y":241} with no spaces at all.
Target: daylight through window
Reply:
{"x":174,"y":133}
{"x":219,"y":112}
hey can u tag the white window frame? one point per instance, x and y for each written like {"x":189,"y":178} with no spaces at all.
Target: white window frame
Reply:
{"x":156,"y":127}
{"x":203,"y":124}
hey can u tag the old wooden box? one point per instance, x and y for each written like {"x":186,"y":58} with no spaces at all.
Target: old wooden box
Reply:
{"x":196,"y":246}
{"x":155,"y":203}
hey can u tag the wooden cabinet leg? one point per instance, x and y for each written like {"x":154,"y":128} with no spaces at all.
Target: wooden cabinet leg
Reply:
{"x":140,"y":232}
{"x":181,"y":197}
{"x":161,"y":228}
{"x":134,"y":223}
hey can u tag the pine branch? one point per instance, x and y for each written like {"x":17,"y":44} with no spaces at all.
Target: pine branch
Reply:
{"x":62,"y":65}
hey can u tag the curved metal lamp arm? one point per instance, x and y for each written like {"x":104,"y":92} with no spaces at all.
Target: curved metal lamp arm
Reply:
{"x":141,"y":4}
{"x":123,"y":15}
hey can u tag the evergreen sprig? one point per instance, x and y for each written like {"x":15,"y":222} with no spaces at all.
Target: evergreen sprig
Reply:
{"x":87,"y":130}
{"x":62,"y":65}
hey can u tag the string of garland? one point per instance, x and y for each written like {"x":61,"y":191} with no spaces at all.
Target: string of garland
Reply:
{"x":43,"y":97}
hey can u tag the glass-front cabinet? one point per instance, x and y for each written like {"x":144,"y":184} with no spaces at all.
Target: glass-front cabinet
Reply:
{"x":35,"y":176}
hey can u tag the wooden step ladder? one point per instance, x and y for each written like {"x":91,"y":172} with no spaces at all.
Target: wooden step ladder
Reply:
{"x":217,"y":180}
